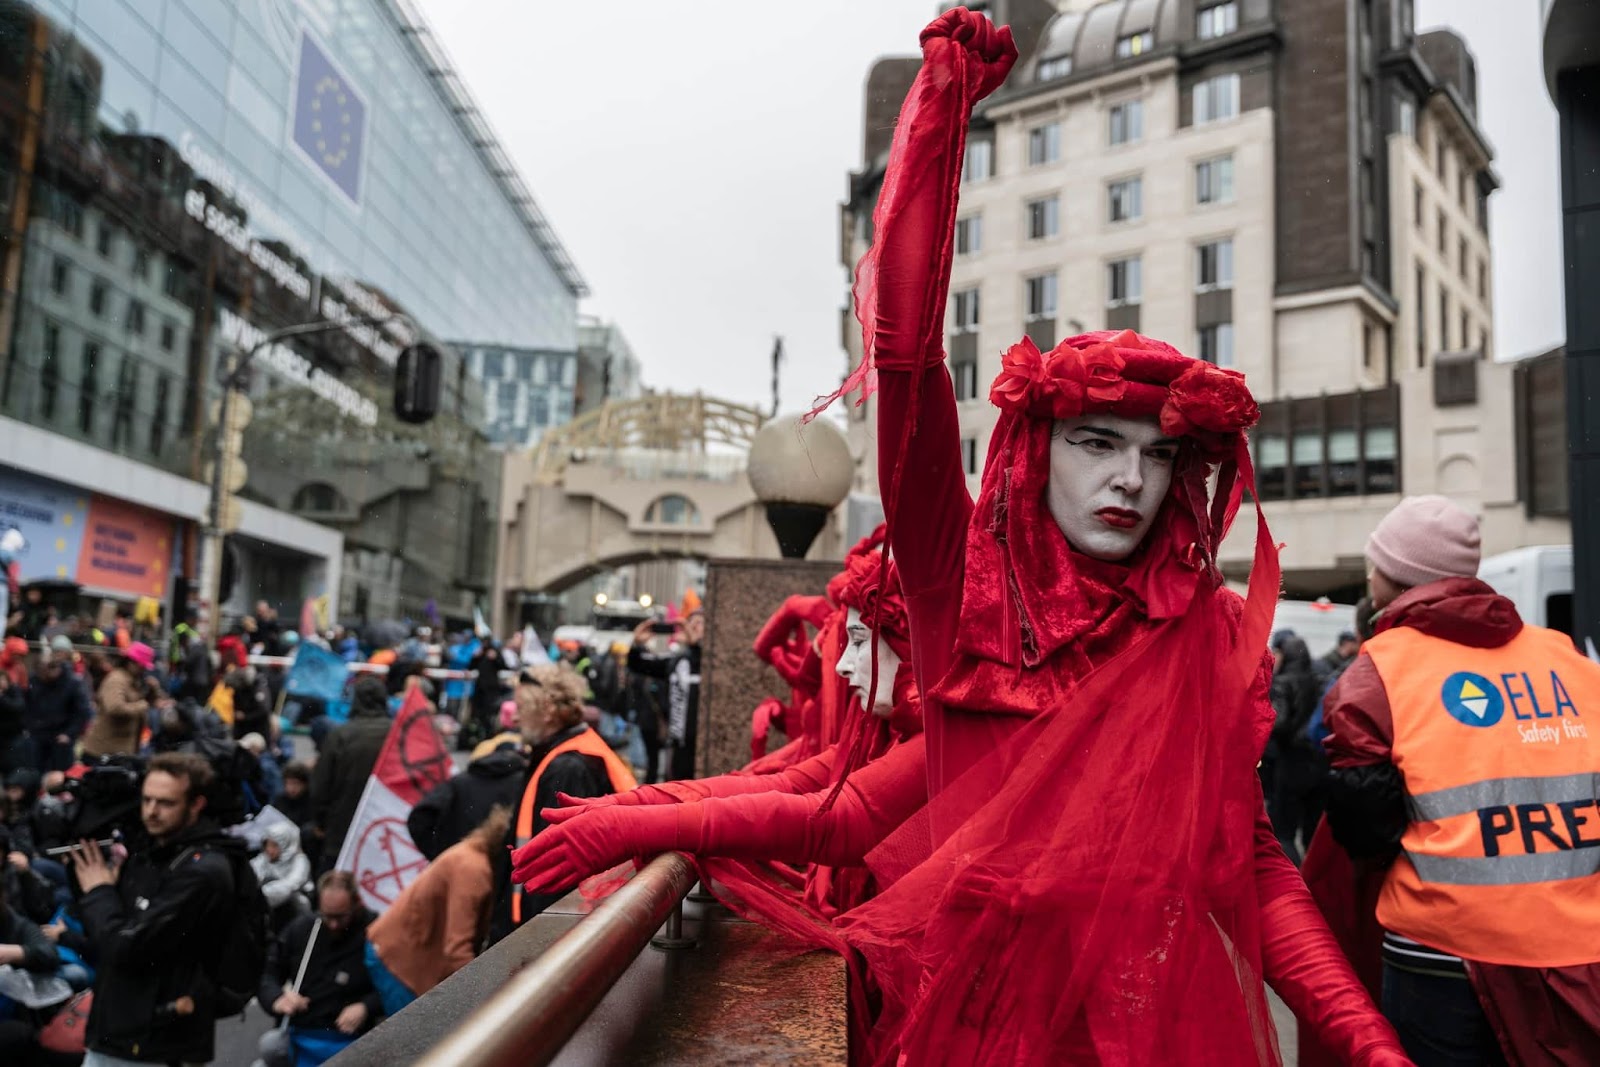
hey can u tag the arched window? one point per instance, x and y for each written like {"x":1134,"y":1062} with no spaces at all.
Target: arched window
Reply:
{"x":673,"y":510}
{"x":318,"y":497}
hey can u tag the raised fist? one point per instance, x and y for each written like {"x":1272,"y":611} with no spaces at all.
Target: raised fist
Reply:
{"x":991,"y":49}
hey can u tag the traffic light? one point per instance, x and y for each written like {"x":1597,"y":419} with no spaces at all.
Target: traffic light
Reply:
{"x":418,"y":378}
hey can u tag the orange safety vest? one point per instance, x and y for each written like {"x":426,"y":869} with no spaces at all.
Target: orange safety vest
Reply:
{"x":588,"y":743}
{"x":1501,"y":860}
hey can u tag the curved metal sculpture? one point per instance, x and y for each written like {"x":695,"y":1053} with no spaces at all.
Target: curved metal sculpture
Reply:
{"x":663,"y":422}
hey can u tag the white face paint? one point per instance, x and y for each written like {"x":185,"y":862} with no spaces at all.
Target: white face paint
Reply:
{"x":1108,"y":477}
{"x":855,"y":665}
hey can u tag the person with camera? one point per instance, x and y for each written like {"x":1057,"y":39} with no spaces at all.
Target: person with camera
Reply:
{"x":165,"y":925}
{"x":680,"y":669}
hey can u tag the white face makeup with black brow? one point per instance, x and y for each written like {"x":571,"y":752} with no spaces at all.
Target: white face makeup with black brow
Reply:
{"x":855,"y":665}
{"x":1108,"y":477}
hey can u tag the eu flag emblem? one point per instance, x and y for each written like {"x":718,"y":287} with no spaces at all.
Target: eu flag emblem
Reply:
{"x":330,"y":119}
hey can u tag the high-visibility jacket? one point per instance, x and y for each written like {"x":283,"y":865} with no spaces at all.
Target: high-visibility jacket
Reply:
{"x":1501,"y":861}
{"x":589,"y":743}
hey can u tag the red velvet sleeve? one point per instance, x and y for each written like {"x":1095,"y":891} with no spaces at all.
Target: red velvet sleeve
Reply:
{"x":1302,"y":961}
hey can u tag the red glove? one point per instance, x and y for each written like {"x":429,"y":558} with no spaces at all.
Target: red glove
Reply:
{"x":1304,"y":964}
{"x":765,"y":826}
{"x":807,"y":776}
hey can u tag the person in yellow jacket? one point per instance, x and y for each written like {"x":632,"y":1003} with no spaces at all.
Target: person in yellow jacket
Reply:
{"x":1465,"y":747}
{"x":565,"y":757}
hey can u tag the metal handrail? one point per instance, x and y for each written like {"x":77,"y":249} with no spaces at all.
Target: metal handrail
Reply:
{"x":531,"y":1018}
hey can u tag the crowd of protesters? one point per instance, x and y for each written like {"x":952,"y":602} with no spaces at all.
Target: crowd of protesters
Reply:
{"x":167,"y":859}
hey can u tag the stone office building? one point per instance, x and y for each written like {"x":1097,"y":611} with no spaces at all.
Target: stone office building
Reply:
{"x":1297,"y":189}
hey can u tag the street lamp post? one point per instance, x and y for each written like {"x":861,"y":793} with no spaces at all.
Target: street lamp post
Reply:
{"x":225,"y":452}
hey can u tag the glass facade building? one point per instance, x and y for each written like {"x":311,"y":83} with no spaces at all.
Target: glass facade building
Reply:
{"x":180,"y":177}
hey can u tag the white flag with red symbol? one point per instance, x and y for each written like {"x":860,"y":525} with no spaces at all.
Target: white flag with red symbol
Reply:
{"x":378,"y":850}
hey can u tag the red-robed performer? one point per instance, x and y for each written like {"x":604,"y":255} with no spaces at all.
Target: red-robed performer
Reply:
{"x":871,"y":608}
{"x":1076,"y":862}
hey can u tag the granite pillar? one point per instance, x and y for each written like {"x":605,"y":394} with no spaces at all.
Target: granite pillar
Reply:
{"x":741,"y":594}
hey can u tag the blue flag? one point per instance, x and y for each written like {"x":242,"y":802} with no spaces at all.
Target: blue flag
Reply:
{"x":330,"y":119}
{"x":316,"y":673}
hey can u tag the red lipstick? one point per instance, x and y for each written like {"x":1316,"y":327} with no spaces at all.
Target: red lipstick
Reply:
{"x":1121,"y":518}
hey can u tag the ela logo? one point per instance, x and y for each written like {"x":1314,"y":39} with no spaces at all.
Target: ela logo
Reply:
{"x":1472,"y":700}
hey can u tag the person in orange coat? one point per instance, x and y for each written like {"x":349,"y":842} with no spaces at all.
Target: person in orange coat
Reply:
{"x":436,"y":925}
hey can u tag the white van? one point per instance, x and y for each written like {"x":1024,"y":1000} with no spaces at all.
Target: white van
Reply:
{"x":1316,"y":622}
{"x":1538,"y":580}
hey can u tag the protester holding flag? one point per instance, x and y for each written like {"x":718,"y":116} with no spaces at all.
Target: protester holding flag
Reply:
{"x":378,"y":848}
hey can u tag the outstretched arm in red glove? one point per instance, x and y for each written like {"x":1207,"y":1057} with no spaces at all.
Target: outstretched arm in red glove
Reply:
{"x":1308,"y":969}
{"x":784,"y":641}
{"x":765,"y":826}
{"x":808,"y":776}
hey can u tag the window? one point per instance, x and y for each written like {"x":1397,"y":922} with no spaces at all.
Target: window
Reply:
{"x":88,"y":386}
{"x":1439,"y":153}
{"x":1483,"y":280}
{"x":979,"y":162}
{"x":965,"y":304}
{"x":141,"y":265}
{"x":50,"y":371}
{"x":97,"y":297}
{"x":1135,"y":44}
{"x":1366,"y":345}
{"x":1213,"y":180}
{"x":1044,"y":218}
{"x":169,"y":335}
{"x":1127,"y":122}
{"x":1406,"y":118}
{"x":1416,"y":204}
{"x":1044,"y":144}
{"x":969,"y":454}
{"x":102,"y":240}
{"x":1215,"y":98}
{"x":1214,"y":265}
{"x":1466,"y":328}
{"x":965,"y":375}
{"x":1216,"y":344}
{"x":1126,"y":199}
{"x":1216,"y":21}
{"x":134,"y":320}
{"x":1466,"y":184}
{"x":1444,"y":318}
{"x":1306,"y":449}
{"x":1039,"y":296}
{"x":1054,"y":67}
{"x":70,"y":215}
{"x":1417,"y":307}
{"x":60,"y":276}
{"x":1462,"y":259}
{"x":1444,"y":231}
{"x":1124,"y":281}
{"x":969,"y":235}
{"x":673,"y":510}
{"x":127,"y":393}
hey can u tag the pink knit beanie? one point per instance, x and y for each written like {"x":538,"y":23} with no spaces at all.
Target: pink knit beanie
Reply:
{"x":1425,"y":539}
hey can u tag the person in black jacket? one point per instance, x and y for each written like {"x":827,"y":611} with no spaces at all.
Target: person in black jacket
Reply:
{"x":680,"y":669}
{"x":22,"y":945}
{"x":157,"y":922}
{"x":56,"y":708}
{"x":345,"y":764}
{"x":458,"y":805}
{"x":335,"y":1003}
{"x":1298,"y":786}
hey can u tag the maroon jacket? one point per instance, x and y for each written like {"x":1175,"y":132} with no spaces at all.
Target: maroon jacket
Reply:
{"x":1541,"y":1015}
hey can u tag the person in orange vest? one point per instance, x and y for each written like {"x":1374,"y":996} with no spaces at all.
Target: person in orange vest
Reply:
{"x":1464,"y":790}
{"x":565,"y":757}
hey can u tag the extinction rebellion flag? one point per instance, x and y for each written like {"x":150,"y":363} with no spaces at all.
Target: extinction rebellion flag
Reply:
{"x":378,"y":849}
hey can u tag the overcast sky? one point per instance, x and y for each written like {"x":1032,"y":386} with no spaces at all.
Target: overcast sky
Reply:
{"x":693,"y":158}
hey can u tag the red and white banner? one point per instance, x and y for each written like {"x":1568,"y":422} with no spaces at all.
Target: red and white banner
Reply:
{"x":378,"y":849}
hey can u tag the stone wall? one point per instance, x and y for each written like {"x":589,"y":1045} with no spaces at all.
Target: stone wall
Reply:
{"x":741,"y":594}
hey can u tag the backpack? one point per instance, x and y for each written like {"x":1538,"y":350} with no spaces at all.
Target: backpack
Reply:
{"x":232,"y":798}
{"x":242,"y":951}
{"x":65,"y":1031}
